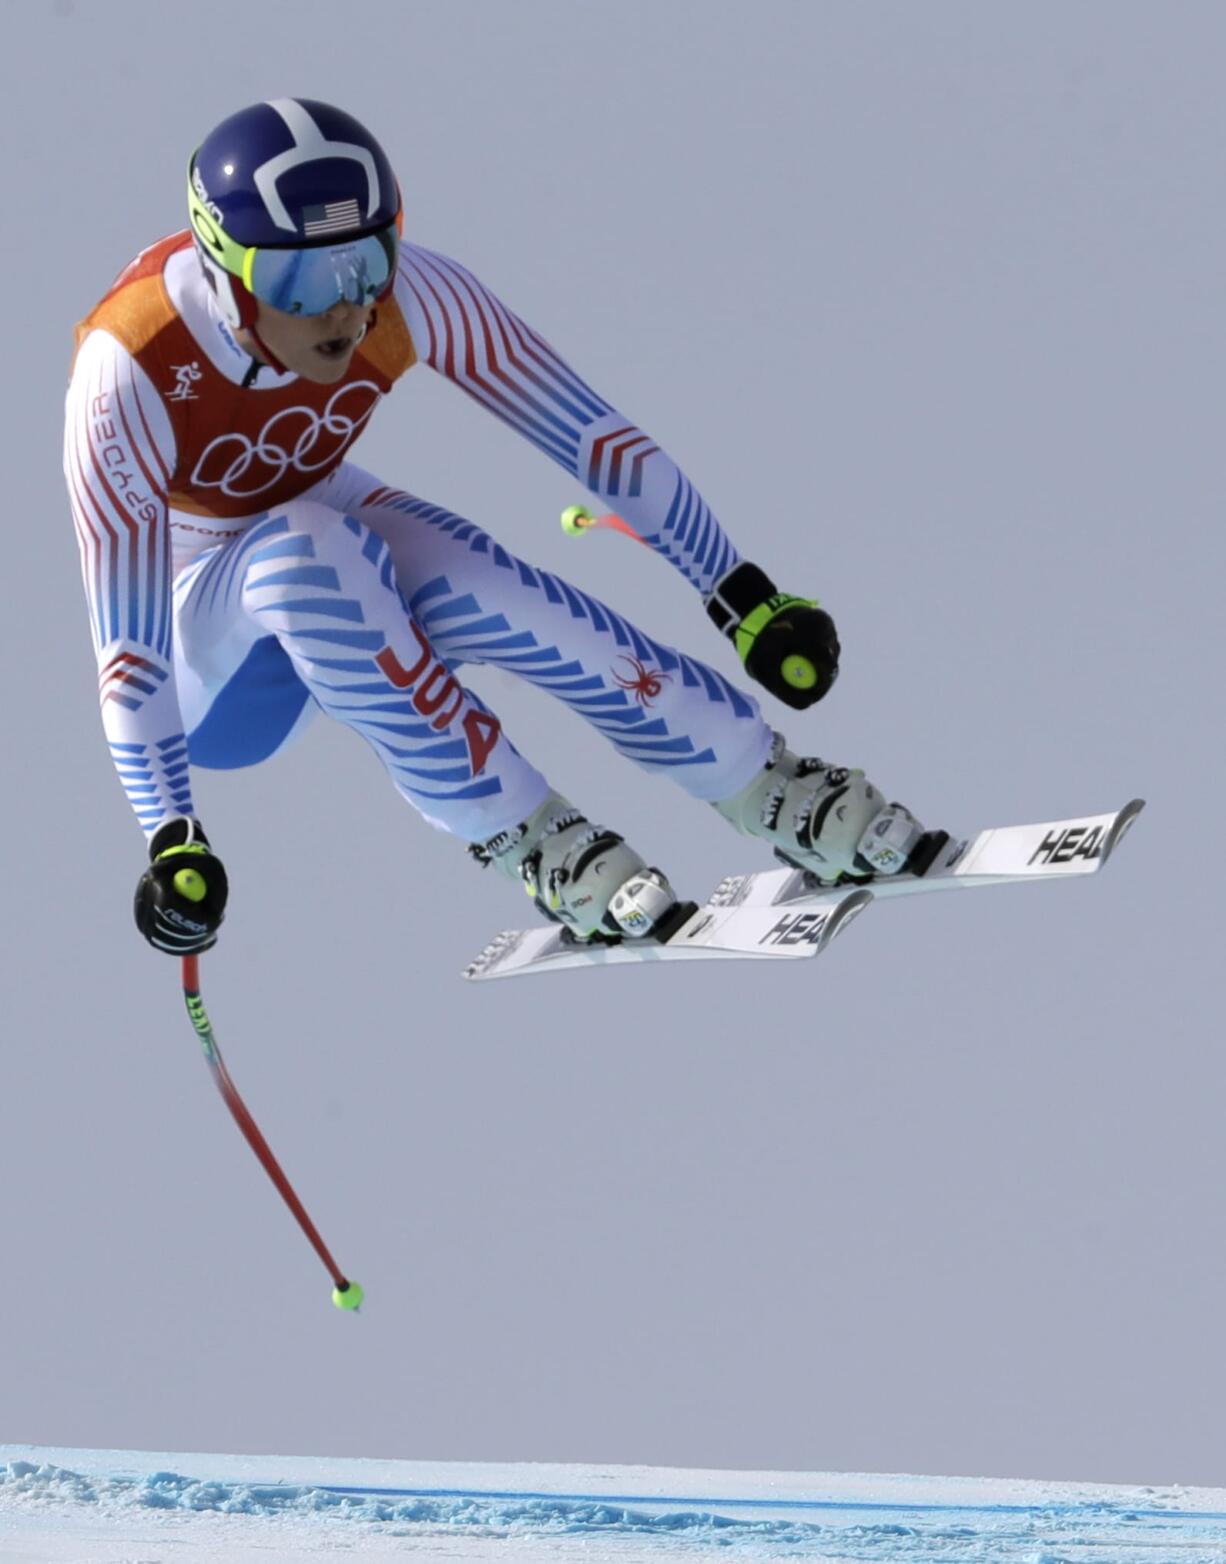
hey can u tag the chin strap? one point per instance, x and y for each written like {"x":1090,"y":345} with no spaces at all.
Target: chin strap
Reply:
{"x":270,"y":358}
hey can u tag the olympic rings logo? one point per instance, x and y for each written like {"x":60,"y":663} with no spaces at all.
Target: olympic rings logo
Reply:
{"x":296,"y":438}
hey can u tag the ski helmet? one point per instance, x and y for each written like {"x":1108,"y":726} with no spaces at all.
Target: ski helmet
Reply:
{"x":293,"y":202}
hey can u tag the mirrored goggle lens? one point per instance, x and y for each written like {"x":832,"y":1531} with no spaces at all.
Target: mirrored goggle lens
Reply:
{"x":308,"y":282}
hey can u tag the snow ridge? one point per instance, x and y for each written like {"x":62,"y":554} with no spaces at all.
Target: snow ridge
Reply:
{"x":1035,"y":1533}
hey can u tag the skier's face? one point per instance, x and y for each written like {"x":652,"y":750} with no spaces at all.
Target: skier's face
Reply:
{"x":317,"y":347}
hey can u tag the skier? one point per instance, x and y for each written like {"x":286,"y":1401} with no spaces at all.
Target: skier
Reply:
{"x":242,"y":572}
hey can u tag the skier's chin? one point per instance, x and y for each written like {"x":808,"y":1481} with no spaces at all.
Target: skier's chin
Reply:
{"x":318,"y":348}
{"x":325,"y":365}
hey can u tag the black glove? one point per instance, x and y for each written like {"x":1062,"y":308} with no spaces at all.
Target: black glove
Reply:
{"x":181,"y":897}
{"x":788,"y":644}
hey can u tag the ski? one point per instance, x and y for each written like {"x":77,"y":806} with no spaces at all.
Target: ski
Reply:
{"x":1005,"y":855}
{"x":785,"y":914}
{"x":713,"y":932}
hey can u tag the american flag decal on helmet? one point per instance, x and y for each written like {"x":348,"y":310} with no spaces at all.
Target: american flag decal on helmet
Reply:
{"x":335,"y":217}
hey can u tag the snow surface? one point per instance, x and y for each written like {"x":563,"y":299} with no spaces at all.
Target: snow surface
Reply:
{"x":127,"y":1507}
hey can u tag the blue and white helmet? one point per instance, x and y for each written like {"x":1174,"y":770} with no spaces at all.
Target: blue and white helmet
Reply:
{"x":294,"y":203}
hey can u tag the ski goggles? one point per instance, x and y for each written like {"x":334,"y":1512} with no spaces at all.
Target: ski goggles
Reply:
{"x":304,"y":281}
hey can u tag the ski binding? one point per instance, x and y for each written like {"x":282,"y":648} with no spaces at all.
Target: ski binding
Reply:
{"x":1006,"y":855}
{"x":786,"y":914}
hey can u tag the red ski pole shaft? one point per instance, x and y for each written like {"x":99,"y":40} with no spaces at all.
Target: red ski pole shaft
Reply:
{"x":251,"y":1130}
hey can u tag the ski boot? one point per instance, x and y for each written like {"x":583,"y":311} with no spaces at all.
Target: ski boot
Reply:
{"x":583,"y":876}
{"x":826,"y":820}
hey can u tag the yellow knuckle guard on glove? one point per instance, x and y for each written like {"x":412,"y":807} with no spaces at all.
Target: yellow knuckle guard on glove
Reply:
{"x":788,"y":644}
{"x":181,"y":897}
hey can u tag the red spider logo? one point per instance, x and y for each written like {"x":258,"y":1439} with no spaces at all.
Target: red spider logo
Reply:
{"x":647,"y":683}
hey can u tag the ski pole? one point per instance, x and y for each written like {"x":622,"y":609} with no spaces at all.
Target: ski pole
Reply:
{"x":577,"y":520}
{"x":345,"y":1294}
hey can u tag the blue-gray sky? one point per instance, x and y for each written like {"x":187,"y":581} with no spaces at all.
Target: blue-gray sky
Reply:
{"x":927,"y":300}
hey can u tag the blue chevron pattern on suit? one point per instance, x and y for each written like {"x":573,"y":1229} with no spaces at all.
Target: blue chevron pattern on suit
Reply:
{"x":336,"y":593}
{"x":319,"y":590}
{"x":487,"y":606}
{"x":366,"y":611}
{"x":152,"y":773}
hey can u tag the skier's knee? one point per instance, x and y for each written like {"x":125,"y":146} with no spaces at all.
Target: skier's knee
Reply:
{"x":318,"y":536}
{"x":309,"y":518}
{"x":332,"y":532}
